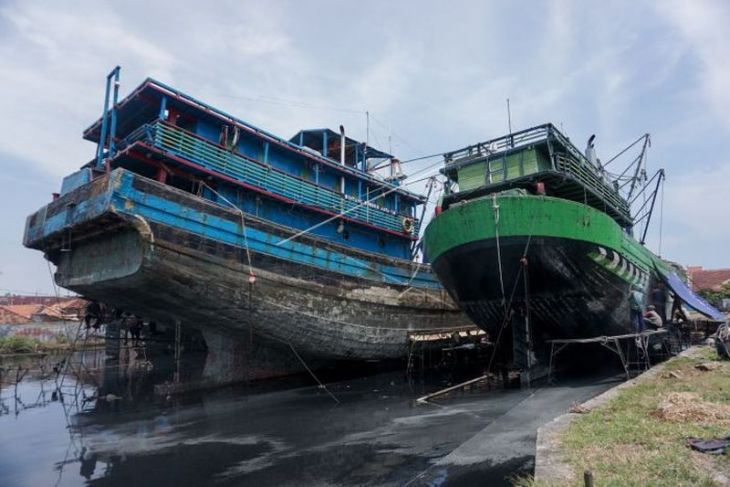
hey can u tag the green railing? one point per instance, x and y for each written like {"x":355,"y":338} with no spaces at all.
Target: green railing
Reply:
{"x":231,"y":164}
{"x":564,"y":158}
{"x":587,"y":176}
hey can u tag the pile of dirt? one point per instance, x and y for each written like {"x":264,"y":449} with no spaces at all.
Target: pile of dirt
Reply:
{"x":687,"y":407}
{"x":707,"y":366}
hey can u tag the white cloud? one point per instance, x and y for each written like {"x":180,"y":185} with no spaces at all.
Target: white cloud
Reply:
{"x":53,"y":68}
{"x":703,"y":24}
{"x":696,"y":222}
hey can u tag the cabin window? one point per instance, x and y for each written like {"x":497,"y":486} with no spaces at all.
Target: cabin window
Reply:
{"x":472,"y":176}
{"x":496,"y":170}
{"x":514,"y":165}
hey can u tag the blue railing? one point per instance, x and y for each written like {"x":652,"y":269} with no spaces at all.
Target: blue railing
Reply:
{"x":226,"y":162}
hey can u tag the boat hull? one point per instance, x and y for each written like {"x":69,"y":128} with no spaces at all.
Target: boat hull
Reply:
{"x":580,"y":267}
{"x":125,"y":252}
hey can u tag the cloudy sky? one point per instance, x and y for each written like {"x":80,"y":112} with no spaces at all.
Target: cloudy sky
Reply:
{"x":433,"y":75}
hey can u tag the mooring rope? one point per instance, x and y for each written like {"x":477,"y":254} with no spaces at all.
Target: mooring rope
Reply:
{"x":243,"y":227}
{"x":386,"y":277}
{"x":312,"y":374}
{"x":495,"y":213}
{"x":508,"y":315}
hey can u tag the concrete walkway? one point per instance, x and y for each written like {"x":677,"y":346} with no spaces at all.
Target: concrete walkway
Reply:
{"x":550,"y":463}
{"x":507,"y":445}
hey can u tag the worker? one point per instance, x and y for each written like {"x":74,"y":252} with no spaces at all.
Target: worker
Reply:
{"x":92,"y":315}
{"x":636,"y":297}
{"x":652,"y":317}
{"x":678,"y":314}
{"x":659,"y":300}
{"x":135,"y":329}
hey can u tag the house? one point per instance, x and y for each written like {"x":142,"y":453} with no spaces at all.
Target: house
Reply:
{"x":62,"y":309}
{"x":15,"y":314}
{"x":712,"y":279}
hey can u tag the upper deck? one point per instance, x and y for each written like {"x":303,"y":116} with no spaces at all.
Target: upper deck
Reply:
{"x":315,"y":177}
{"x":153,"y":100}
{"x":522,"y":159}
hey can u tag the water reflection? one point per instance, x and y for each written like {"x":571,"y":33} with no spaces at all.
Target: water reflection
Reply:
{"x":102,"y":423}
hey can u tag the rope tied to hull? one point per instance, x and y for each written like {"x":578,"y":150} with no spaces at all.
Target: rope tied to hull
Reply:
{"x":522,"y":268}
{"x":251,"y":274}
{"x":495,"y":212}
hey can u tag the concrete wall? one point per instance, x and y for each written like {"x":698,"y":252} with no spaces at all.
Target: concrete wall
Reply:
{"x":43,"y":332}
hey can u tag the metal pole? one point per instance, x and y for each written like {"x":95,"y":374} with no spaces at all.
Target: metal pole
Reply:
{"x":638,"y":168}
{"x":367,"y":142}
{"x":509,"y":118}
{"x":651,"y":208}
{"x":452,"y":388}
{"x":102,"y":137}
{"x":115,"y":99}
{"x":343,"y":139}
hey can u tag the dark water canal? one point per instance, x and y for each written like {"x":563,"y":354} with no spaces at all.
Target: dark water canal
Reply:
{"x":103,"y":425}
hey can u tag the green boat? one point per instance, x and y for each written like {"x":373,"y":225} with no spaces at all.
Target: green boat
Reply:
{"x":530,"y":228}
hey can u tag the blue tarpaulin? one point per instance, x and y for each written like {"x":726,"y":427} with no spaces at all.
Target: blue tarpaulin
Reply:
{"x":689,"y":297}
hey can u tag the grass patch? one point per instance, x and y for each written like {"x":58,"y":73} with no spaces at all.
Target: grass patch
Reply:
{"x":23,"y":344}
{"x":626,"y":442}
{"x":18,"y":344}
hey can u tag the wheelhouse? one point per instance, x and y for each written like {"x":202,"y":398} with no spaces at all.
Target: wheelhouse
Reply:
{"x":537,"y":160}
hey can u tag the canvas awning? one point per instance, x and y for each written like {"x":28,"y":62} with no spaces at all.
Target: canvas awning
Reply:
{"x":689,"y":297}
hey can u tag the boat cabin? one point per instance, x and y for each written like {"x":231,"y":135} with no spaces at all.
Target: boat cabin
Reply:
{"x":540,"y":160}
{"x":166,"y":135}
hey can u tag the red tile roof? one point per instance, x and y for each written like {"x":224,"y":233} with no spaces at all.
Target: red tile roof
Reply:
{"x":707,"y":278}
{"x":24,"y":310}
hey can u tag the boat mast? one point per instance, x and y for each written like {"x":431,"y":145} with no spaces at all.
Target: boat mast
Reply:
{"x":653,"y":200}
{"x":638,"y":166}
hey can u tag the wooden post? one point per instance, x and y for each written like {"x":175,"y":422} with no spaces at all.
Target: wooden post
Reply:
{"x":588,"y":478}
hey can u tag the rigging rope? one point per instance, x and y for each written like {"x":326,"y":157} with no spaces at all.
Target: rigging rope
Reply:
{"x":661,"y":219}
{"x":495,"y":213}
{"x":243,"y":229}
{"x":367,"y":201}
{"x":507,"y":314}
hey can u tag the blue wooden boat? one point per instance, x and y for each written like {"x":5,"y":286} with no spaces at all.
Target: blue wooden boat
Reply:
{"x":190,"y":215}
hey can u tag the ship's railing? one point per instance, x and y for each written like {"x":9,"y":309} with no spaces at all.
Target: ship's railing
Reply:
{"x":587,"y":176}
{"x":514,"y":141}
{"x":566,"y":159}
{"x":500,"y":144}
{"x":214,"y":157}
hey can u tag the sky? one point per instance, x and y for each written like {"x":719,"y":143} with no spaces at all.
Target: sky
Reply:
{"x":434,"y":76}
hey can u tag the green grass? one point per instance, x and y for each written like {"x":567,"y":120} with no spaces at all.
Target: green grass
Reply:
{"x":623,"y":444}
{"x":18,"y":344}
{"x":21,"y":344}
